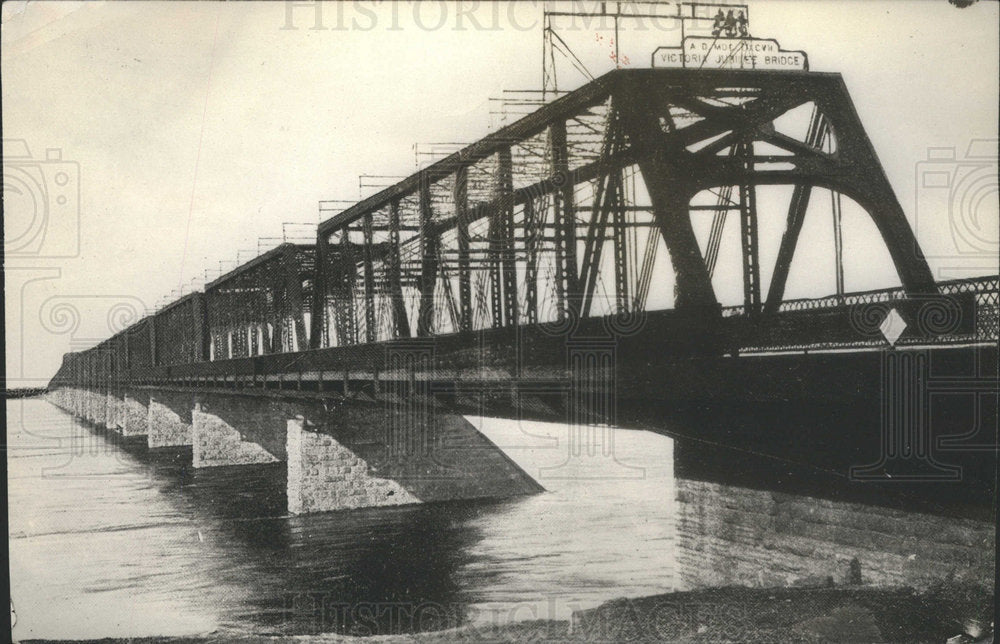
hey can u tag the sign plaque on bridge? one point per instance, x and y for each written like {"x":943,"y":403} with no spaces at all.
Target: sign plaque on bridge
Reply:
{"x":701,"y":52}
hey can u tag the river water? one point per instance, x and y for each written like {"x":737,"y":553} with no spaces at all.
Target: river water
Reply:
{"x":111,"y":540}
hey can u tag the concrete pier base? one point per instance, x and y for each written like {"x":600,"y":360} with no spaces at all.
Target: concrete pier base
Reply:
{"x":99,"y":409}
{"x":133,"y":419}
{"x":113,"y":416}
{"x":735,"y":536}
{"x":352,"y":455}
{"x":236,"y":430}
{"x":376,"y":454}
{"x":324,"y":475}
{"x":82,"y":401}
{"x":169,"y":419}
{"x":64,"y":399}
{"x":95,"y":407}
{"x":60,"y":398}
{"x":71,"y":401}
{"x":79,"y":402}
{"x":84,"y":404}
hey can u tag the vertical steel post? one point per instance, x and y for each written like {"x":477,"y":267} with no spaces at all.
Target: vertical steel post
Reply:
{"x":618,"y":221}
{"x":428,"y":268}
{"x":401,"y":323}
{"x":347,"y":330}
{"x":531,"y":233}
{"x":318,"y":317}
{"x":505,"y":208}
{"x":199,"y":330}
{"x":493,"y":262}
{"x":748,"y":232}
{"x":369,"y":279}
{"x":593,"y":245}
{"x":565,"y":223}
{"x":295,"y":306}
{"x":153,"y":357}
{"x":462,"y":222}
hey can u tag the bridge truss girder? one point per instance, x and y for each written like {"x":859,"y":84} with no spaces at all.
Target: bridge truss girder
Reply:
{"x":518,"y":222}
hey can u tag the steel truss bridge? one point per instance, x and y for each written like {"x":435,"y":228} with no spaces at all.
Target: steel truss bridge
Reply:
{"x":526,"y":265}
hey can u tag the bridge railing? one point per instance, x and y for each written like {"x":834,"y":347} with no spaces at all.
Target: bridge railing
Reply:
{"x":850,"y":322}
{"x":977,"y":298}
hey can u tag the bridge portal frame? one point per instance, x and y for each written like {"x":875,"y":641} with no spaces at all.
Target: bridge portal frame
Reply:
{"x":731,"y":110}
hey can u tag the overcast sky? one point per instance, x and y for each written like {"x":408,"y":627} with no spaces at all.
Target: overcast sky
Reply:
{"x":188,"y":130}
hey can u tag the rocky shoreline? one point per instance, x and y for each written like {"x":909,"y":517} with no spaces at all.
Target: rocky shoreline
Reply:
{"x":947,"y":612}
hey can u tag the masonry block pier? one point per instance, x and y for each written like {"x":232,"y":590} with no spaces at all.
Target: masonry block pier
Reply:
{"x":124,"y":413}
{"x":736,"y":536}
{"x":354,"y":454}
{"x":134,"y":414}
{"x":238,"y":430}
{"x":383,"y":453}
{"x":114,"y":412}
{"x":339,"y":454}
{"x":89,"y":405}
{"x":170,"y":419}
{"x":105,"y":410}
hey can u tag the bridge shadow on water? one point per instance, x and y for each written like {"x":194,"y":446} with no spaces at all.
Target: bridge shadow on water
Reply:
{"x":367,"y":571}
{"x":727,"y":512}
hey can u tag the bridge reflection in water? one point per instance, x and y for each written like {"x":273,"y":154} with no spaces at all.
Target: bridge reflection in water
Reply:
{"x":137,"y":542}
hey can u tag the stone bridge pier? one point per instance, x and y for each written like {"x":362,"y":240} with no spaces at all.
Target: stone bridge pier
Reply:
{"x":232,"y":429}
{"x":96,"y":407}
{"x":169,"y":419}
{"x":340,"y":454}
{"x":88,"y":405}
{"x":133,"y":413}
{"x":124,"y":412}
{"x":355,"y":454}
